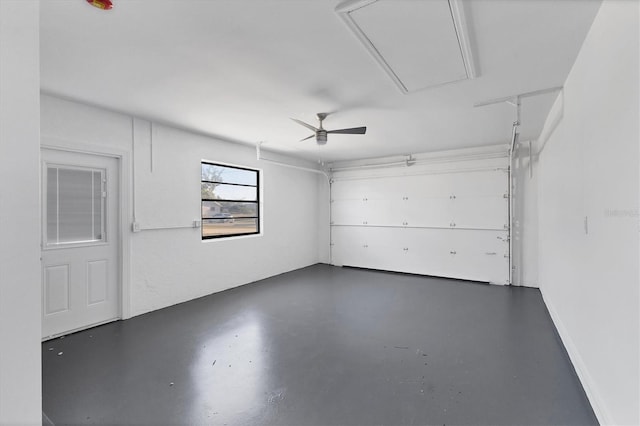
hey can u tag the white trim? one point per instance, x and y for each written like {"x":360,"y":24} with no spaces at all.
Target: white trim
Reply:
{"x":158,"y":228}
{"x":344,"y":12}
{"x":460,"y":23}
{"x":44,"y":239}
{"x":260,"y":189}
{"x":344,"y":9}
{"x":462,"y":228}
{"x":75,"y":330}
{"x":435,"y":157}
{"x":124,"y":169}
{"x":424,"y":173}
{"x":590,"y":388}
{"x":233,"y":237}
{"x":234,"y":165}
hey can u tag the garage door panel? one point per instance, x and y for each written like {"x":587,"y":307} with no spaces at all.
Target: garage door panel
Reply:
{"x":479,"y":183}
{"x":434,"y":212}
{"x":427,"y":186}
{"x":383,"y":212}
{"x":366,"y":211}
{"x":347,"y":212}
{"x":345,"y":245}
{"x":481,"y":212}
{"x":442,"y":224}
{"x":465,"y":254}
{"x":364,"y":188}
{"x":366,"y":247}
{"x":481,"y":255}
{"x":428,"y":252}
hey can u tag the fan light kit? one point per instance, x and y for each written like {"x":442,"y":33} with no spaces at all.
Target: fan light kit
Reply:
{"x":321,"y":133}
{"x":101,"y":4}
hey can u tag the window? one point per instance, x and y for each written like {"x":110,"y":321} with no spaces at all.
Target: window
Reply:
{"x":75,"y":205}
{"x":230,"y":201}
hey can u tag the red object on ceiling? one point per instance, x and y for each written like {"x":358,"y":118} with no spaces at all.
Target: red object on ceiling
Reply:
{"x":101,"y":4}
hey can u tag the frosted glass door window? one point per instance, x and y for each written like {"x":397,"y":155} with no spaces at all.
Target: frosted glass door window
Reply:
{"x":75,"y":205}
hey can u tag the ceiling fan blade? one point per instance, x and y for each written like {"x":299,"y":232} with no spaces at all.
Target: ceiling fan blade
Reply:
{"x":351,"y":131}
{"x":308,"y":137}
{"x":308,"y":126}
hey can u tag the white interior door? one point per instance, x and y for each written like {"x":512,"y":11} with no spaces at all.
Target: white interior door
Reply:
{"x":80,"y":241}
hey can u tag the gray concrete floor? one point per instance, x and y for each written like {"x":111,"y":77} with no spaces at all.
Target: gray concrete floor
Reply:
{"x":323,"y":346}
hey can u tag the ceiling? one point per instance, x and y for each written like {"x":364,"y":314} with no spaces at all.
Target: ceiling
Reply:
{"x":239,"y":69}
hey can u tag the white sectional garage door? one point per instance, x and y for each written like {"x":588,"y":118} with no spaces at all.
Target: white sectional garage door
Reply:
{"x":450,"y":224}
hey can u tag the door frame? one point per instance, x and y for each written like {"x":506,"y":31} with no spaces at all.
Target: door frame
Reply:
{"x":124,"y":211}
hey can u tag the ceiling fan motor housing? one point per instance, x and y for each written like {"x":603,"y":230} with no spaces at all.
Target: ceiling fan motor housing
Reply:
{"x":321,"y":137}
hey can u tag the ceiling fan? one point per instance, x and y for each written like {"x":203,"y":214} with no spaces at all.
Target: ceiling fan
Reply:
{"x":321,"y":134}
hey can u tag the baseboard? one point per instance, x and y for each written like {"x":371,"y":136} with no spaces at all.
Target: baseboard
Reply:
{"x":46,"y":421}
{"x":590,"y":388}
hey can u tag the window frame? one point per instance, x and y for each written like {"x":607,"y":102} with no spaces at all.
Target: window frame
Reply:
{"x":258,"y":217}
{"x":45,"y":240}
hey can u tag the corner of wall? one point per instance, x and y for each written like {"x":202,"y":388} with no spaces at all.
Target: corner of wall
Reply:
{"x":596,"y":400}
{"x":20,"y":270}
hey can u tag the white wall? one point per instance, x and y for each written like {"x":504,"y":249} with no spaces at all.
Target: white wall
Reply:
{"x":20,"y":364}
{"x":175,"y":265}
{"x":589,"y":170}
